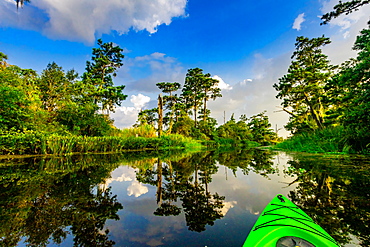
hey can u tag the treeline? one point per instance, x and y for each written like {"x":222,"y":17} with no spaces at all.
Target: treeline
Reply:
{"x":58,"y":101}
{"x":187,"y":114}
{"x":59,"y":111}
{"x":329,"y":105}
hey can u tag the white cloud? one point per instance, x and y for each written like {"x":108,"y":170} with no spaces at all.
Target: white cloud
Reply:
{"x":126,"y":116}
{"x":137,"y":189}
{"x":139,"y":100}
{"x":298,"y":21}
{"x":85,"y":19}
{"x":227,"y":206}
{"x":221,"y":84}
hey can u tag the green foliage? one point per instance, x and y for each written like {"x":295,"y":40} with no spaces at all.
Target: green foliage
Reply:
{"x":343,"y":8}
{"x":335,"y":140}
{"x":144,"y":130}
{"x":13,"y":108}
{"x":100,"y":72}
{"x":317,"y":99}
{"x":260,"y":126}
{"x":197,"y":90}
{"x":302,"y":89}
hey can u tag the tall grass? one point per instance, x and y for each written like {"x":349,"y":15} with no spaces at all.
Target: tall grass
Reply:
{"x":321,"y":141}
{"x":38,"y":143}
{"x":146,"y":130}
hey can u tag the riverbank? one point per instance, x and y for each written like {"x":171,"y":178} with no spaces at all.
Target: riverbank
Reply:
{"x":32,"y":143}
{"x":330,"y":140}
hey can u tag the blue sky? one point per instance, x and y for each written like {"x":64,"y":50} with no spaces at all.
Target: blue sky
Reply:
{"x":245,"y":44}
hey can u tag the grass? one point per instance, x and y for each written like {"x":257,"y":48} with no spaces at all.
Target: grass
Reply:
{"x":329,"y":140}
{"x":29,"y":142}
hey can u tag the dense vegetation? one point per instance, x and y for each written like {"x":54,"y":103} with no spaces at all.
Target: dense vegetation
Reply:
{"x":328,"y":105}
{"x":59,"y":112}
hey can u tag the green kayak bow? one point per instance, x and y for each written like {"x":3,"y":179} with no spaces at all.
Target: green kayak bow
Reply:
{"x":283,"y":224}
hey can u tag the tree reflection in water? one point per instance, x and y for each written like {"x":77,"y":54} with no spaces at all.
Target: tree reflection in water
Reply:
{"x":335,"y":193}
{"x":47,"y":199}
{"x":186,"y":180}
{"x":41,"y":198}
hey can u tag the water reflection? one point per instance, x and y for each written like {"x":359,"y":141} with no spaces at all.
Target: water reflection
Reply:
{"x":41,"y":197}
{"x":167,"y":199}
{"x":335,"y":193}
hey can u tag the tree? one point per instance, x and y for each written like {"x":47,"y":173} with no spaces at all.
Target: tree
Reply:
{"x":210,"y":91}
{"x":349,"y":93}
{"x":261,"y":129}
{"x":192,"y":90}
{"x":3,"y":59}
{"x":13,"y":108}
{"x":343,"y":8}
{"x":55,"y":89}
{"x":302,"y":88}
{"x":170,"y":100}
{"x":198,"y":89}
{"x":105,"y":61}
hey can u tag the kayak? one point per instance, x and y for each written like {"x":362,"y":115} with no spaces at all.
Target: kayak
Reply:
{"x":283,"y":224}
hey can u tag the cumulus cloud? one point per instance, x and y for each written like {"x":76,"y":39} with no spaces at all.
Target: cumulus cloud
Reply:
{"x":137,"y":189}
{"x":126,"y":116}
{"x":83,"y":20}
{"x":227,"y":206}
{"x":139,"y":100}
{"x":298,"y":21}
{"x":221,"y":84}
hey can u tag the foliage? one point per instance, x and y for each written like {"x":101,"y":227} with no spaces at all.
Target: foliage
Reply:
{"x":302,"y":88}
{"x":343,"y":8}
{"x":198,"y":89}
{"x":100,"y":72}
{"x":340,"y":102}
{"x":13,"y":108}
{"x":332,"y":140}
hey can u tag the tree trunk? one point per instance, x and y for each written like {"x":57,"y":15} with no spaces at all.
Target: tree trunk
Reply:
{"x":160,"y":114}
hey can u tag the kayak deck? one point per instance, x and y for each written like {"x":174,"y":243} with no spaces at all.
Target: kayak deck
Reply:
{"x":284,"y":224}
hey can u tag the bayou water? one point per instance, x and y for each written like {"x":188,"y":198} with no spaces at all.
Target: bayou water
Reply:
{"x":176,"y":199}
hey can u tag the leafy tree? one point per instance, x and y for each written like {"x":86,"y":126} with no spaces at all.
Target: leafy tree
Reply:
{"x":260,"y":128}
{"x":210,"y":91}
{"x":84,"y":120}
{"x":13,"y":108}
{"x":100,"y":72}
{"x":349,"y":93}
{"x":3,"y":59}
{"x":343,"y":8}
{"x":148,"y":116}
{"x":302,"y":88}
{"x":192,"y":91}
{"x":55,"y":89}
{"x":170,"y":100}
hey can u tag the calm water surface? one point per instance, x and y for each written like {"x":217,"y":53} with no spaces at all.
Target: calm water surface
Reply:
{"x":176,"y":199}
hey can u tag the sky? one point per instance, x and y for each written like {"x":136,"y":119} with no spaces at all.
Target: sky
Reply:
{"x":244,"y":44}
